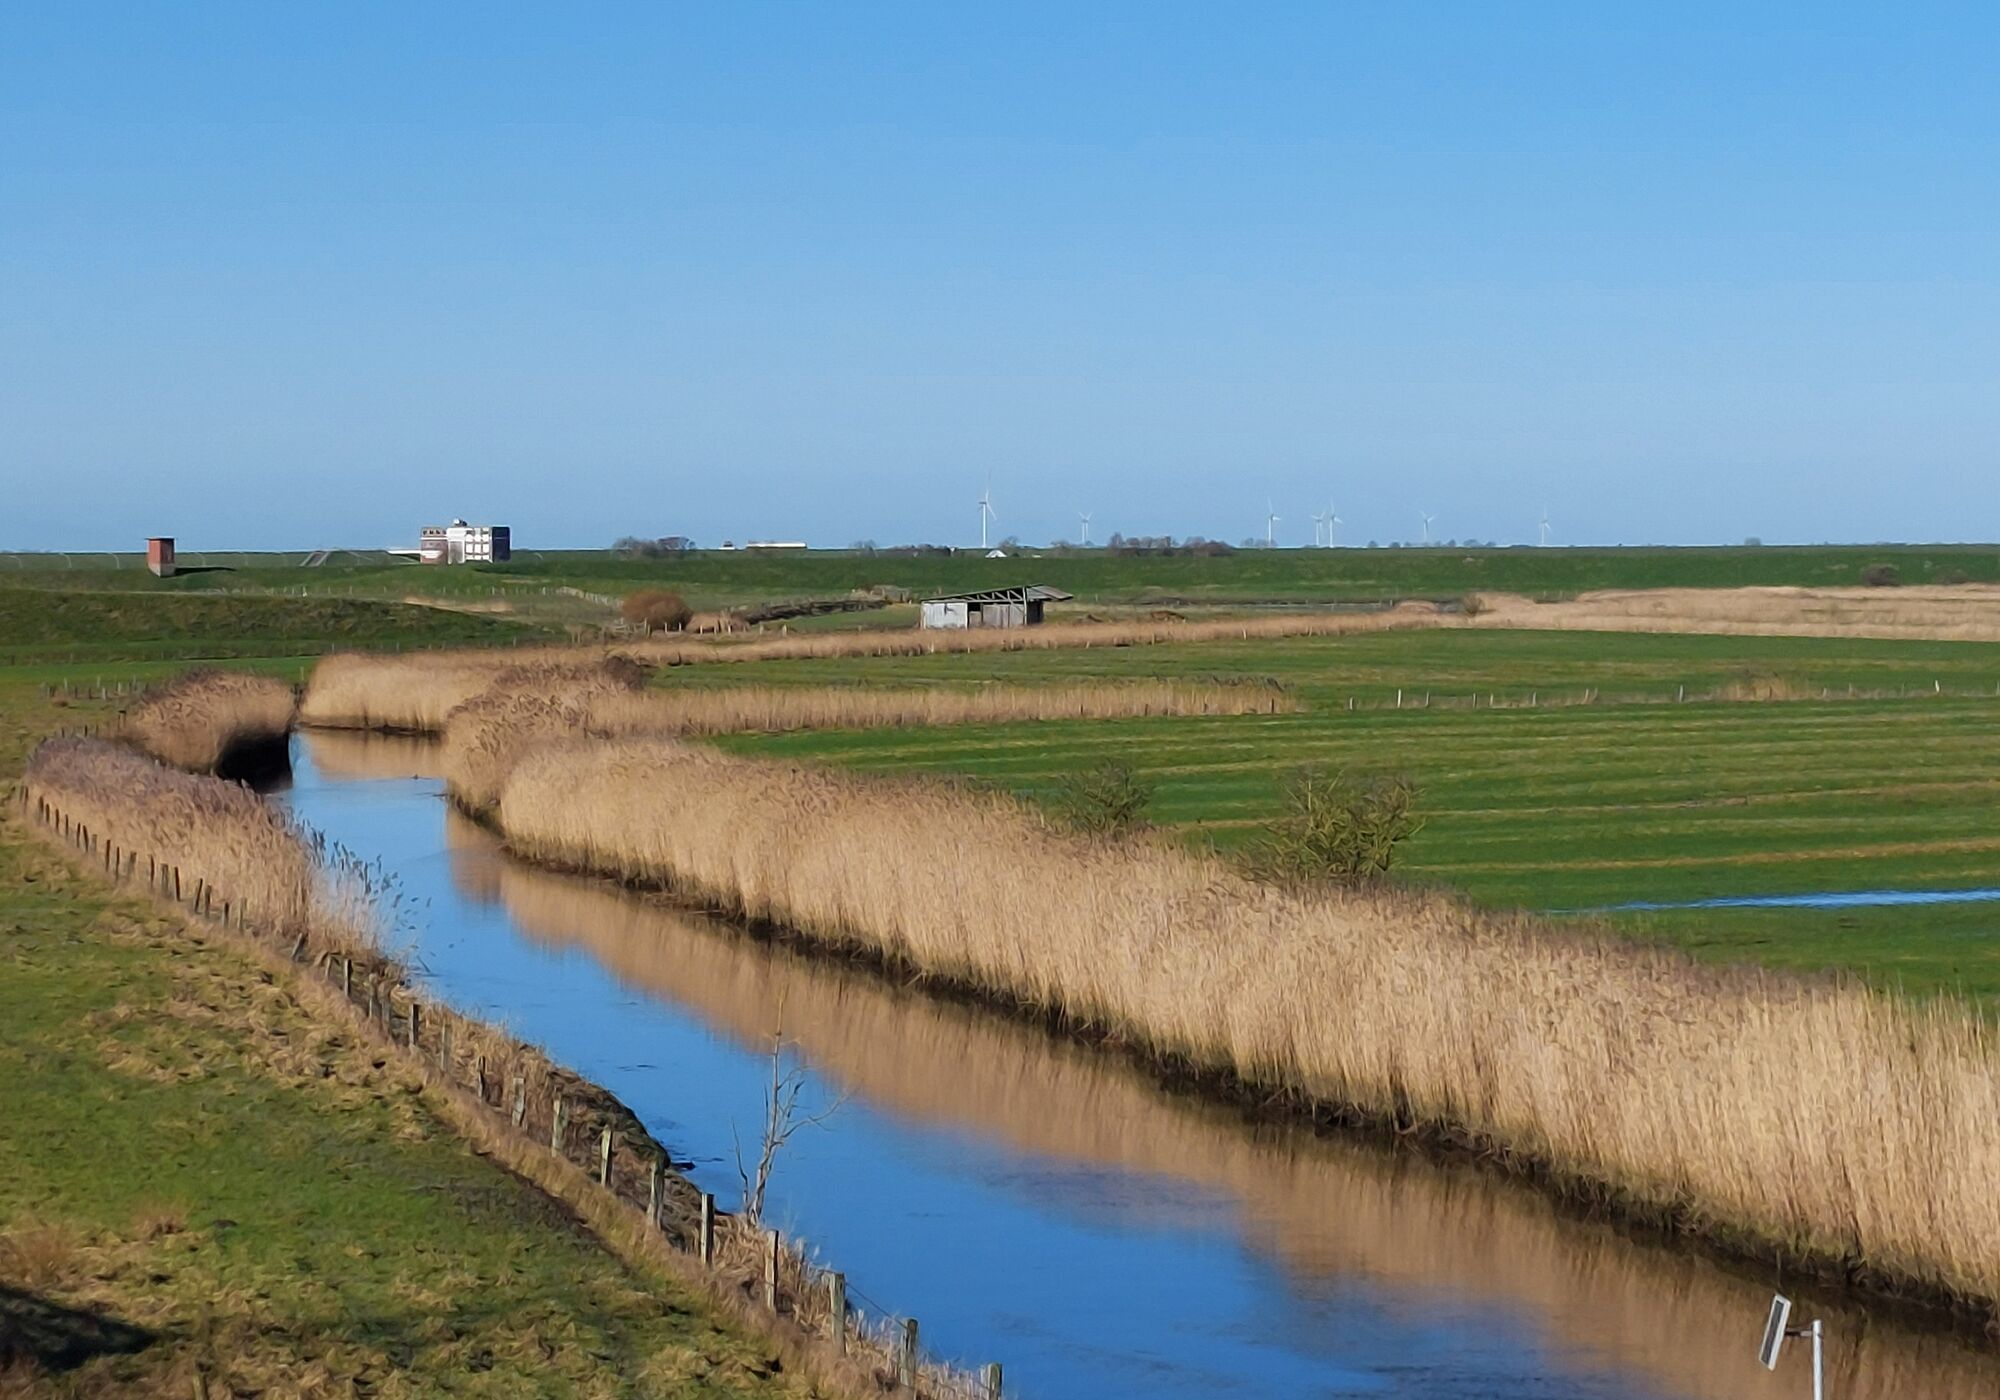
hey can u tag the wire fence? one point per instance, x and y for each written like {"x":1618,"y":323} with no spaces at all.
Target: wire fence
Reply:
{"x":576,"y":1121}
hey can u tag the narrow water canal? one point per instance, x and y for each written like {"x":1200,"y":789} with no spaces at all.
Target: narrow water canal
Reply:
{"x":1037,"y":1204}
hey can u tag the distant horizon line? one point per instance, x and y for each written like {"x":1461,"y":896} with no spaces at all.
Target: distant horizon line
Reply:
{"x":1138,"y":541}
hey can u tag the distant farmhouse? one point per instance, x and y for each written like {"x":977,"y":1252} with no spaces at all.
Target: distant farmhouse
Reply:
{"x":460,"y":543}
{"x":992,"y":607}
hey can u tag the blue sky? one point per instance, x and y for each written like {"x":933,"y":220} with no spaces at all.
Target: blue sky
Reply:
{"x":296,"y":275}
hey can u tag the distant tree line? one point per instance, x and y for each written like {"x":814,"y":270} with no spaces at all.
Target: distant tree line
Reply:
{"x":1192,"y":545}
{"x":632,"y":547}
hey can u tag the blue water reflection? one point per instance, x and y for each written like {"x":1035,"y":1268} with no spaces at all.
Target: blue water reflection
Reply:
{"x":1098,"y":1238}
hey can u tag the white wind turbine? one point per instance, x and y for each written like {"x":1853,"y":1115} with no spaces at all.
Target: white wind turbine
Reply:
{"x":1319,"y":529}
{"x":1083,"y":533}
{"x":1545,"y":527}
{"x":1270,"y":525}
{"x":987,"y":515}
{"x":1333,"y":524}
{"x":1427,"y":519}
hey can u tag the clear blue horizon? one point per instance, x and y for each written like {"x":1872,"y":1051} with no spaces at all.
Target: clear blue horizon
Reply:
{"x":299,"y":276}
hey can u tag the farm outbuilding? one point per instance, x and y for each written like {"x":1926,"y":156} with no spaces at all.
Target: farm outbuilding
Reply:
{"x":992,"y":607}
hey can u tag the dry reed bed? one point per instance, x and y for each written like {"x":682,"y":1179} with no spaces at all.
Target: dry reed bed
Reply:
{"x":132,"y":818}
{"x":412,"y":690}
{"x":1817,"y":1120}
{"x":912,"y":641}
{"x":416,"y":690}
{"x":141,"y":819}
{"x":487,"y":735}
{"x":1962,"y":613}
{"x":203,"y":718}
{"x":1326,"y":1208}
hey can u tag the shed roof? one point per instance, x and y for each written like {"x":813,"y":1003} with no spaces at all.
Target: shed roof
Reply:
{"x":1020,"y":593}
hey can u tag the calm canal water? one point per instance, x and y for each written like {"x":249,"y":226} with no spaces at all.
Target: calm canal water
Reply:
{"x":1037,"y":1204}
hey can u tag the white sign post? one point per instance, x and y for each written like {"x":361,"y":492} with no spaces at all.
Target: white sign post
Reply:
{"x":1775,"y":1332}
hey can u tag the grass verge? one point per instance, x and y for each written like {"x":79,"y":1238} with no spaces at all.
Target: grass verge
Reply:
{"x":203,"y":1176}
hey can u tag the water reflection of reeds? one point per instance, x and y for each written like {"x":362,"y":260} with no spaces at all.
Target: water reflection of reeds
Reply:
{"x":1328,"y":1211}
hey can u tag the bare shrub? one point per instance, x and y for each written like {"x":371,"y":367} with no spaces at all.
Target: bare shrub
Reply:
{"x":783,"y":1118}
{"x":1106,"y":799}
{"x":1881,"y":576}
{"x":656,"y":610}
{"x":1337,"y":827}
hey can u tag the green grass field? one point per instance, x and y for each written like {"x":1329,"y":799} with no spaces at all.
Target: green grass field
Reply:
{"x":712,"y":578}
{"x":199,"y":1175}
{"x":1559,"y":807}
{"x":51,"y":625}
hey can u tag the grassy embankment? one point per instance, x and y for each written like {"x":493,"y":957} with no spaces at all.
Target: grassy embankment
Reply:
{"x":1556,"y":807}
{"x":203,"y":1174}
{"x":149,"y":631}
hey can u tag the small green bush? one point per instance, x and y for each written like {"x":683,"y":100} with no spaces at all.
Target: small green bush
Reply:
{"x":1107,"y":800}
{"x":1881,"y":576}
{"x":1338,"y":827}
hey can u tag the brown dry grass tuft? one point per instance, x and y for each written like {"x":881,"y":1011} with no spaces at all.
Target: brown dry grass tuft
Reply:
{"x":1813,"y":1119}
{"x":197,"y":720}
{"x":37,"y":1255}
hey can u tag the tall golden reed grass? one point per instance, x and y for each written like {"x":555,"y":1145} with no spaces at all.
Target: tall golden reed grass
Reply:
{"x":911,"y":641}
{"x":486,"y":736}
{"x":412,"y":690}
{"x":1816,"y":1119}
{"x":1961,"y":613}
{"x":416,"y":690}
{"x":203,"y":717}
{"x":145,"y":817}
{"x":1324,"y":1207}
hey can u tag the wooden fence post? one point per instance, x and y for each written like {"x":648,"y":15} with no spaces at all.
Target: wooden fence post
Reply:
{"x":656,"y":1182}
{"x":992,"y":1380}
{"x":836,"y":1303}
{"x":479,"y":1077}
{"x":347,"y":977}
{"x":707,"y":1237}
{"x":604,"y":1156}
{"x":771,"y":1271}
{"x":520,"y":1099}
{"x":559,"y":1122}
{"x":415,"y":1022}
{"x":906,"y":1356}
{"x":444,"y":1045}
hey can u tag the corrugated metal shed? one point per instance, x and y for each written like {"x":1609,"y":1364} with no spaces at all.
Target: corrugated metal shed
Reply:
{"x":991,"y":607}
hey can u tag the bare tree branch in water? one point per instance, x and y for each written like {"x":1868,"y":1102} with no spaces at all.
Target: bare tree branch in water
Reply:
{"x":782,"y":1118}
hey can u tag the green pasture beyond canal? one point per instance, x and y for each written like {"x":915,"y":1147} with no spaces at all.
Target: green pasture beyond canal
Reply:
{"x":1560,"y":806}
